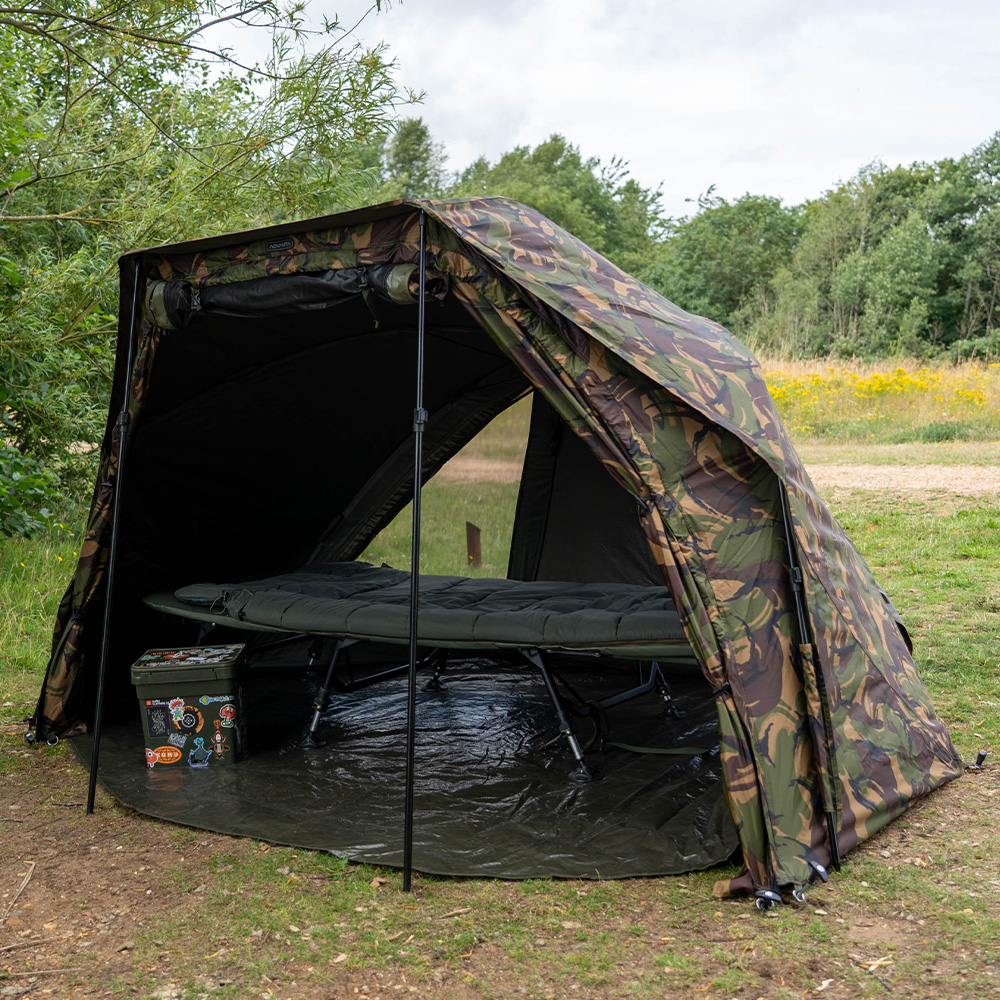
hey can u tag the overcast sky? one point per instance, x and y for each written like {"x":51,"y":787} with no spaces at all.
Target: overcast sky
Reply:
{"x":767,"y":96}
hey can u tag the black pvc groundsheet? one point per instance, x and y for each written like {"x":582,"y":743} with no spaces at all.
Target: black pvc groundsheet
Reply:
{"x":493,"y":794}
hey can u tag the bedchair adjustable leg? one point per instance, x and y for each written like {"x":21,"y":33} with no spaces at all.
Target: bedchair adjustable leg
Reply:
{"x":584,"y":772}
{"x":315,"y":651}
{"x":311,"y":741}
{"x":440,"y":660}
{"x":670,"y":709}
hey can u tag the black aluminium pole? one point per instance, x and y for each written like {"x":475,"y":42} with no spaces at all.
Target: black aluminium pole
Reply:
{"x":419,"y":420}
{"x":798,"y":594}
{"x":123,"y":422}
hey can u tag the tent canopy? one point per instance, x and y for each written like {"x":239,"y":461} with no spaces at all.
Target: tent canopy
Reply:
{"x":271,"y":404}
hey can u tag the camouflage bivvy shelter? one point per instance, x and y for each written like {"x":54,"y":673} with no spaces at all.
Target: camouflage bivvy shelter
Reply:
{"x":279,"y":433}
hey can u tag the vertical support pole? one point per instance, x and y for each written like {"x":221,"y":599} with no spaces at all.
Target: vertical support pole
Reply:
{"x":805,"y":637}
{"x":109,"y":580}
{"x":419,"y":421}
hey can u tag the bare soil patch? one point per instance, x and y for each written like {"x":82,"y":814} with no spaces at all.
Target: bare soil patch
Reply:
{"x":468,"y":469}
{"x":970,"y":480}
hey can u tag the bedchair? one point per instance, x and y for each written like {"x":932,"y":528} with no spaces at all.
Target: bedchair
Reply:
{"x":353,"y":602}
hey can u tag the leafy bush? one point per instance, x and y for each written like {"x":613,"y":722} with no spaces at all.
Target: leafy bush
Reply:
{"x":129,"y":130}
{"x":938,"y":431}
{"x":26,"y":490}
{"x":984,"y":348}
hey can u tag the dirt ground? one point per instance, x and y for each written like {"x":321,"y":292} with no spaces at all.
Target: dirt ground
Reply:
{"x":969,"y":480}
{"x":80,"y":898}
{"x":964,"y":479}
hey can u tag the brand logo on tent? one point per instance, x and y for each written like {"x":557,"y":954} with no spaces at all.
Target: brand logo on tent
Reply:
{"x":273,"y":245}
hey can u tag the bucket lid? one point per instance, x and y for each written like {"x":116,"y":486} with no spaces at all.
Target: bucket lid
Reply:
{"x":192,"y":660}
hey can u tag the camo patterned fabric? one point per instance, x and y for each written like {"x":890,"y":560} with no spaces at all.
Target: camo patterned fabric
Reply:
{"x":836,"y":722}
{"x":60,"y":709}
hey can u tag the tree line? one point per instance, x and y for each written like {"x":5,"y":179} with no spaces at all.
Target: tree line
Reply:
{"x":895,"y":261}
{"x":122,"y":125}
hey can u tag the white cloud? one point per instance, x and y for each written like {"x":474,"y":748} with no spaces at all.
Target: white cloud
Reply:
{"x":769,"y":96}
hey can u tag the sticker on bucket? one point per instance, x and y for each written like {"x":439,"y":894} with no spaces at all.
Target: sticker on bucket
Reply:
{"x":157,"y":719}
{"x":199,"y":755}
{"x":186,"y":718}
{"x":162,"y":755}
{"x":219,"y":740}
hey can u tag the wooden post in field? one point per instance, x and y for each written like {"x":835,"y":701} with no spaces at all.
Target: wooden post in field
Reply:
{"x":473,"y":542}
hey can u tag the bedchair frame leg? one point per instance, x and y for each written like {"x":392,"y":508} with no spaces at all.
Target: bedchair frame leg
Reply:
{"x":383,"y":675}
{"x":315,"y":651}
{"x":670,"y":709}
{"x":311,"y":741}
{"x":654,"y":682}
{"x":440,"y":660}
{"x":203,"y":632}
{"x":584,"y":772}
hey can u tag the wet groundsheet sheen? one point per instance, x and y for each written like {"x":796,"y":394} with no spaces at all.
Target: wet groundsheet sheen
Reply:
{"x":492,"y":796}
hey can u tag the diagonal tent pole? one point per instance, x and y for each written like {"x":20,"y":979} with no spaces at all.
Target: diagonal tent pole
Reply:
{"x":419,"y":421}
{"x":123,"y":422}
